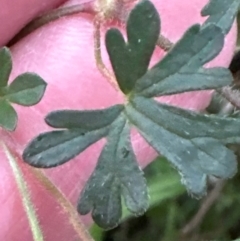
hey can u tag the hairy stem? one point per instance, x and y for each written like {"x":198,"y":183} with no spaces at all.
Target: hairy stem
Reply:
{"x":65,"y":204}
{"x":98,"y":56}
{"x":164,"y":43}
{"x":25,"y":196}
{"x":67,"y":11}
{"x":50,"y":17}
{"x":119,"y":10}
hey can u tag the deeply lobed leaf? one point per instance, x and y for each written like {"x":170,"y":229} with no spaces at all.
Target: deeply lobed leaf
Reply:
{"x":84,"y":128}
{"x":188,"y":144}
{"x":181,"y":69}
{"x":130,"y":60}
{"x":189,"y":124}
{"x":117,"y":173}
{"x":193,"y":143}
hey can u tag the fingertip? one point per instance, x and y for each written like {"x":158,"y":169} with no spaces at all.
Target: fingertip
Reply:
{"x":16,"y":14}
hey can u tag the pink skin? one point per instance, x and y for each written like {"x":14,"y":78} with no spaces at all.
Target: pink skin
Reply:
{"x":62,"y":53}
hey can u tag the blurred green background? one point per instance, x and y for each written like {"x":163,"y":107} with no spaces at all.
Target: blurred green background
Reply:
{"x":171,"y":209}
{"x":175,"y":215}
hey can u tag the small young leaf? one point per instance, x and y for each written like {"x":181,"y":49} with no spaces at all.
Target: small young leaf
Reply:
{"x":130,"y":60}
{"x":54,"y":148}
{"x":27,"y":89}
{"x":8,"y":116}
{"x":87,"y":120}
{"x":117,"y":173}
{"x":181,"y":69}
{"x":221,"y":12}
{"x":194,"y":156}
{"x":5,"y":66}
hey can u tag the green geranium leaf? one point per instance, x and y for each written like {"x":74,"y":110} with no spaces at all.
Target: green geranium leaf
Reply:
{"x":194,"y":143}
{"x":8,"y":116}
{"x":117,"y":173}
{"x":195,"y":149}
{"x":27,"y":89}
{"x":130,"y":60}
{"x":181,"y":70}
{"x":54,"y":148}
{"x":221,"y":12}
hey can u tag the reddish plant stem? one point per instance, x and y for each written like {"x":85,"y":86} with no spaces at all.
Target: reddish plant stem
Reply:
{"x":98,"y":56}
{"x":118,"y":12}
{"x":60,"y":198}
{"x":51,"y":16}
{"x":164,"y":43}
{"x":65,"y":204}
